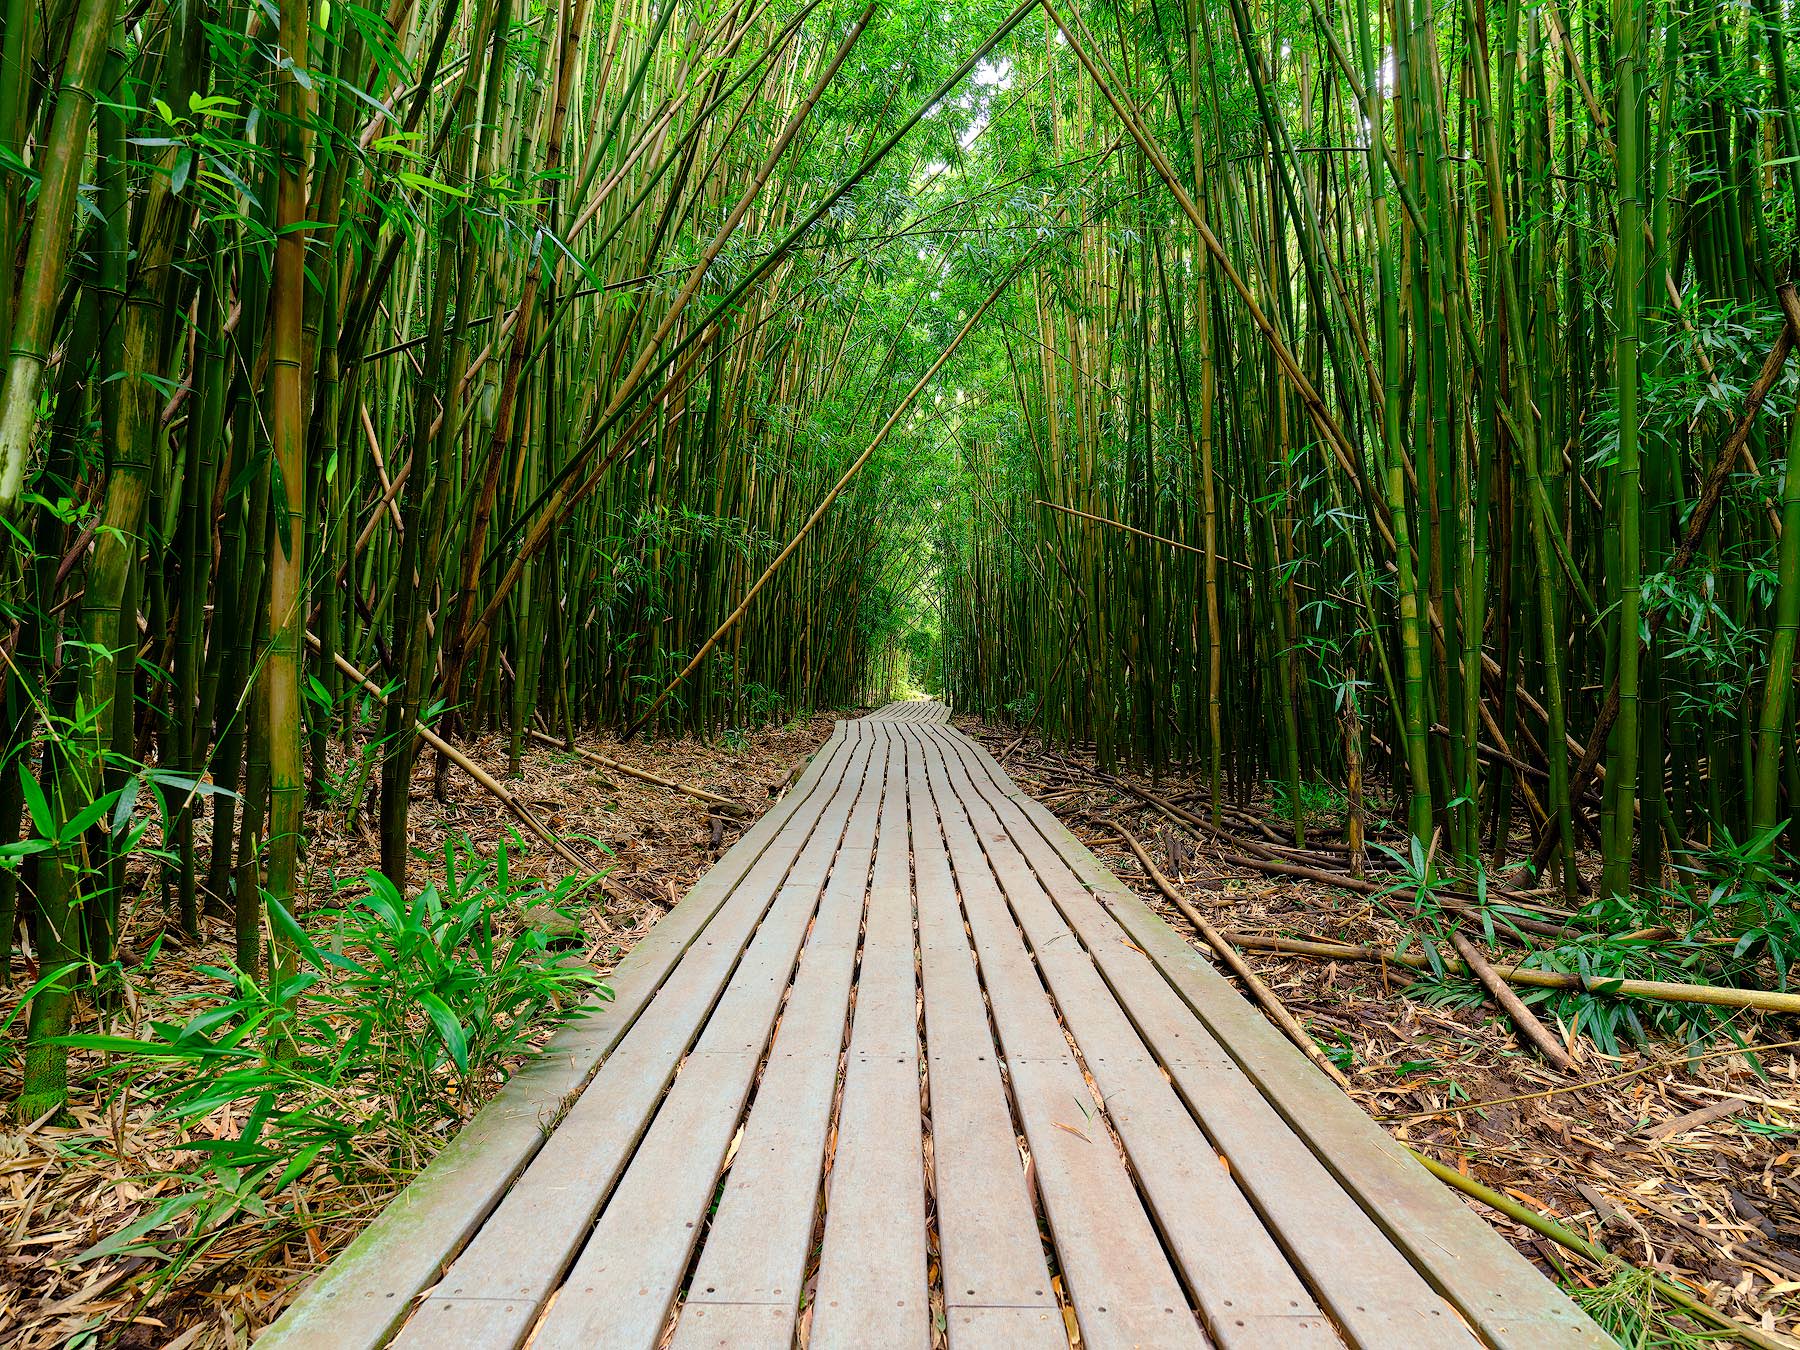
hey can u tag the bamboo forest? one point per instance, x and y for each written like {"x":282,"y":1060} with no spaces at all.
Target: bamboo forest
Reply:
{"x":460,"y":458}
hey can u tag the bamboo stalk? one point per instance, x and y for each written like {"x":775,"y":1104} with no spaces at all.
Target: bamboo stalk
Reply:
{"x":1721,"y":996}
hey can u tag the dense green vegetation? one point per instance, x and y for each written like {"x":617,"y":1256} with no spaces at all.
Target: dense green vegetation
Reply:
{"x":1392,"y":396}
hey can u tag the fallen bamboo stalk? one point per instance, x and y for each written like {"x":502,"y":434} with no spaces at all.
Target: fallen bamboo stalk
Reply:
{"x":1511,"y":1004}
{"x":736,"y":808}
{"x":1231,"y":851}
{"x":1271,"y":1004}
{"x":481,"y":776}
{"x":1722,"y":996}
{"x":1593,"y":1251}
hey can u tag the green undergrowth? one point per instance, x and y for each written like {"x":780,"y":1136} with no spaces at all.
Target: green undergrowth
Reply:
{"x":1629,"y":1309}
{"x":1725,"y":919}
{"x":398,"y":1017}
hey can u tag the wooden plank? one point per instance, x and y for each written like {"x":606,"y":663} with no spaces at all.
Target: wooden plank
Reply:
{"x":991,"y":1255}
{"x":1237,"y":1272}
{"x":736,"y":1326}
{"x":873,"y":1289}
{"x":363,"y":1295}
{"x":491,"y":1294}
{"x":1492,"y":1286}
{"x":983,"y":1328}
{"x":621,"y":1288}
{"x":1123,"y":1289}
{"x":756,"y":1249}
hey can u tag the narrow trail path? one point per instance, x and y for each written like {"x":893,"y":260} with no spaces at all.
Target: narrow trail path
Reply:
{"x":910,"y":1063}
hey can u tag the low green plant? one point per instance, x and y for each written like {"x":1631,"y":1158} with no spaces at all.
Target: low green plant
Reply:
{"x":397,"y":1015}
{"x":1318,"y":799}
{"x":1629,"y":1309}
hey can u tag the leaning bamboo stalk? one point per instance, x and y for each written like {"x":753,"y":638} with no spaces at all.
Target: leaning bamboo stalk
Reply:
{"x":1718,"y":996}
{"x":736,"y":808}
{"x":1265,"y":996}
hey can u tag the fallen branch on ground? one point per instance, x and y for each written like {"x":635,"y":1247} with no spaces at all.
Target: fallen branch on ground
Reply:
{"x":1260,"y":991}
{"x":1511,"y":1004}
{"x":725,"y":804}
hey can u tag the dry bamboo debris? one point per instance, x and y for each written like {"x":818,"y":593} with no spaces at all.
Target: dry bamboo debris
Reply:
{"x":1308,"y":865}
{"x":726,"y":804}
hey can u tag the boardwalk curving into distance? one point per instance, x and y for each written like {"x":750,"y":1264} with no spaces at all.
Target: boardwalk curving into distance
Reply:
{"x":909,"y":1064}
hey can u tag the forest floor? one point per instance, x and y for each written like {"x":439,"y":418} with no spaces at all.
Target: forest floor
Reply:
{"x":65,"y":1188}
{"x":1686,"y":1167}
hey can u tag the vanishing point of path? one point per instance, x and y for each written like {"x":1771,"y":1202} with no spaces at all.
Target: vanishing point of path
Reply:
{"x":909,"y":1064}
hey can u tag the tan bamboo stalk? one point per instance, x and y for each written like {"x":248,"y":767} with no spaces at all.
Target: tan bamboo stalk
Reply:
{"x":1718,"y":996}
{"x":47,"y":254}
{"x":279,"y":679}
{"x":1259,"y":990}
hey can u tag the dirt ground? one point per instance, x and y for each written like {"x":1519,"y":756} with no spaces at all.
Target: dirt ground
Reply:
{"x":1683,"y":1167}
{"x":66,"y":1187}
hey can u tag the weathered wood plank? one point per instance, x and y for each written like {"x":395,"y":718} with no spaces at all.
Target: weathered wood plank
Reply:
{"x":736,"y":1326}
{"x":1120,"y":1282}
{"x":1237,"y":1272}
{"x":756,"y":1248}
{"x":992,"y":1257}
{"x":1495,"y":1289}
{"x":362,"y":1296}
{"x":873,"y":1289}
{"x":491,"y":1294}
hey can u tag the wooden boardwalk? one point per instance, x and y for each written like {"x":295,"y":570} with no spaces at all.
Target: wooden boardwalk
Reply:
{"x":910,"y":1065}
